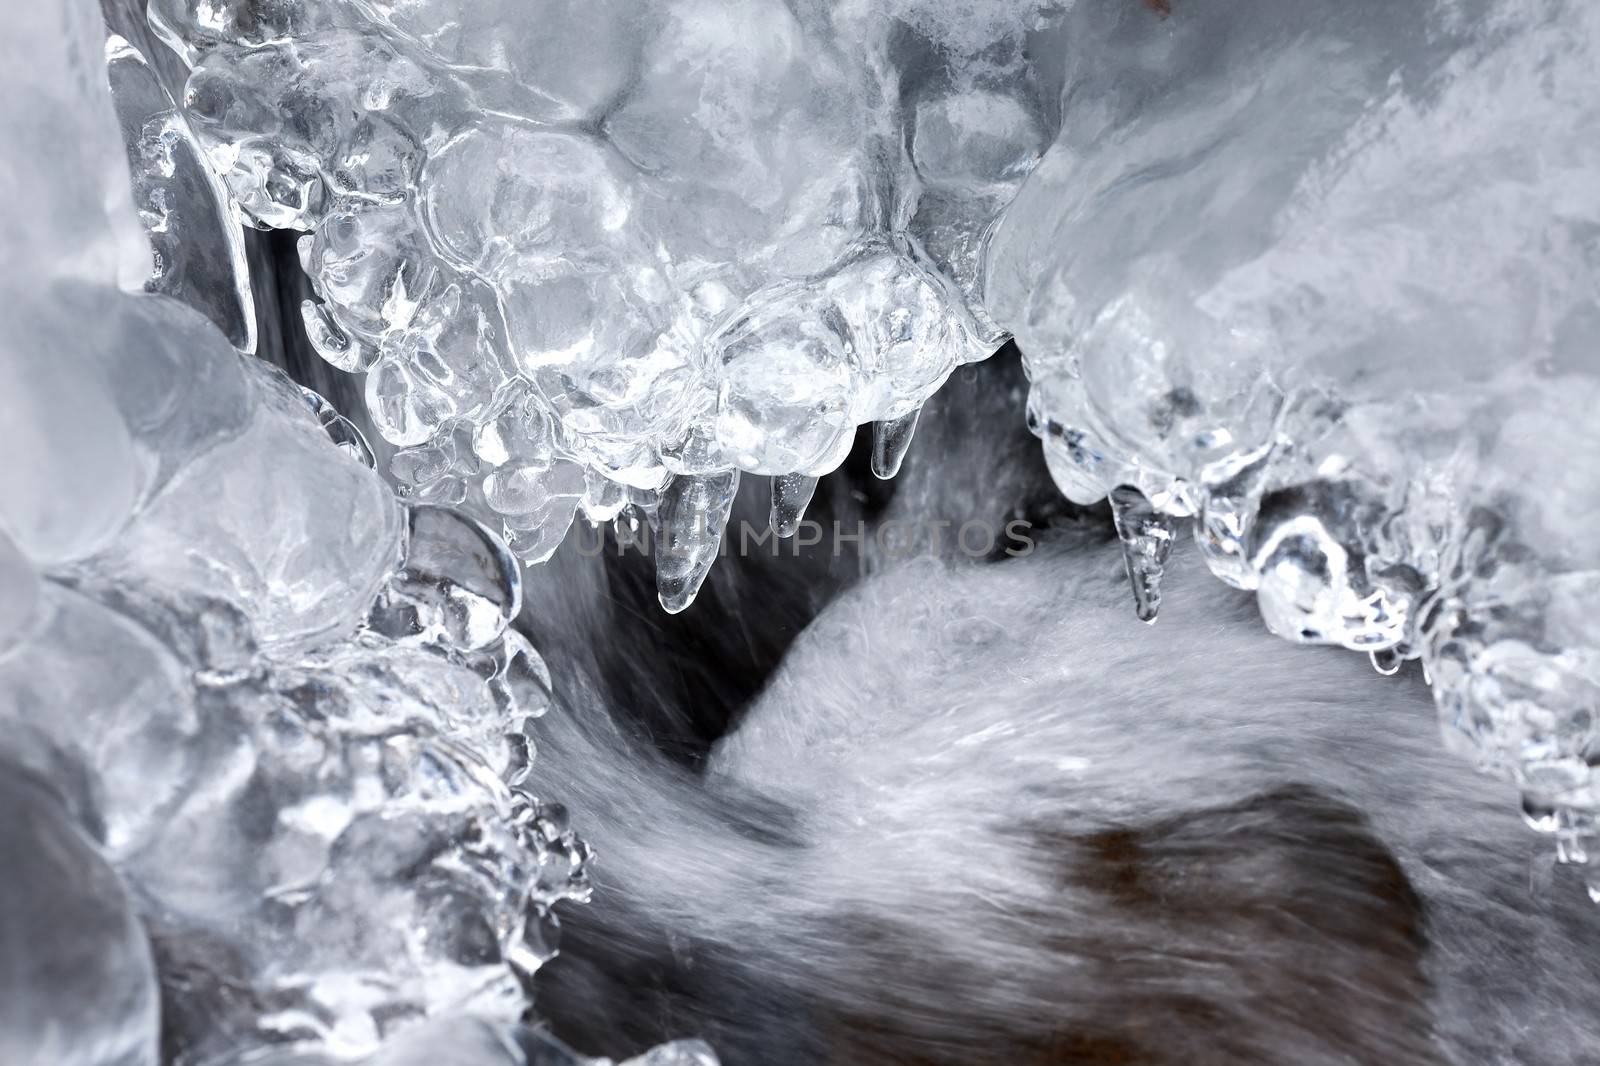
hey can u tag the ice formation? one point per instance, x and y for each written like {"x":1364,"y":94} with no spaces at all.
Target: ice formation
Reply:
{"x":254,"y":705}
{"x":1323,"y":283}
{"x":606,"y":255}
{"x":1318,"y":280}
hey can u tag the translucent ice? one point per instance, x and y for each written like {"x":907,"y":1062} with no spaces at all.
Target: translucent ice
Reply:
{"x":1146,"y":536}
{"x":284,"y":707}
{"x":458,"y":585}
{"x":79,"y":987}
{"x":196,"y":244}
{"x":1320,"y":278}
{"x":1323,"y":277}
{"x":670,"y":241}
{"x":690,"y":520}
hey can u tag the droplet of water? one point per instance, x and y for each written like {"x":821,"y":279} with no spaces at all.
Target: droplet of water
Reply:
{"x":791,"y":494}
{"x":690,"y":519}
{"x":1146,"y":536}
{"x":890,"y":442}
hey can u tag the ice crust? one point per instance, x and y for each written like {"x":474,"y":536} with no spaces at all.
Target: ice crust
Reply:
{"x":266,"y":727}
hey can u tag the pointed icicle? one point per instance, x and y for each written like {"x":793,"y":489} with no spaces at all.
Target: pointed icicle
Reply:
{"x":791,"y":495}
{"x":1146,"y":536}
{"x":890,"y":442}
{"x":690,"y":518}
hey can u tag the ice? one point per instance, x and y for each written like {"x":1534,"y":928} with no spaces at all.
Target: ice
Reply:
{"x":684,"y":237}
{"x":890,"y":442}
{"x":197,"y":247}
{"x":327,"y":796}
{"x":1324,"y":278}
{"x":19,"y":595}
{"x":1319,"y":279}
{"x":457,"y":586}
{"x":278,"y":703}
{"x":81,"y":477}
{"x":79,"y":986}
{"x":293,"y":540}
{"x":1146,"y":536}
{"x":791,"y":494}
{"x":688,"y":531}
{"x":64,"y":221}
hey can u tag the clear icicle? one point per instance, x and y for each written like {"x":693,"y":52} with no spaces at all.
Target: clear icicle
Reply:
{"x":791,"y":495}
{"x":689,"y":521}
{"x":890,"y":442}
{"x":1146,"y":536}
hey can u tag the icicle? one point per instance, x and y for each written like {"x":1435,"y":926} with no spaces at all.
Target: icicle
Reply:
{"x":791,"y":494}
{"x":1386,"y":660}
{"x":890,"y":441}
{"x":1146,"y":536}
{"x":627,"y":527}
{"x":689,"y":521}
